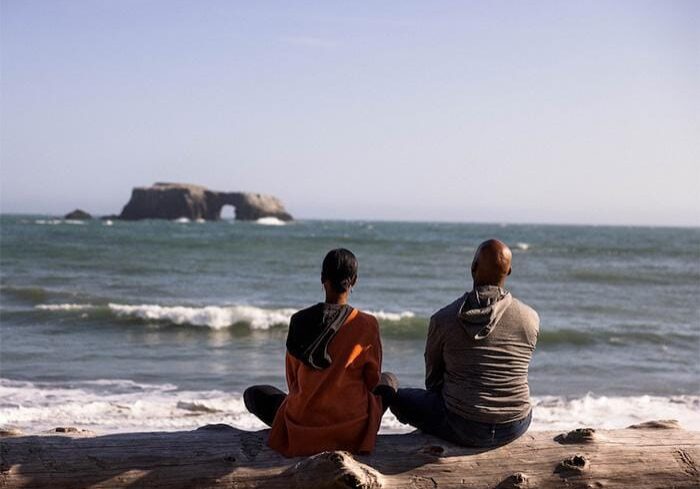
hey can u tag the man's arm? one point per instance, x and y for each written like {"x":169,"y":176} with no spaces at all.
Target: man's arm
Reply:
{"x":434,"y":361}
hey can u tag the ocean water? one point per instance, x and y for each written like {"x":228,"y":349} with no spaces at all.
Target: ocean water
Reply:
{"x":158,"y":325}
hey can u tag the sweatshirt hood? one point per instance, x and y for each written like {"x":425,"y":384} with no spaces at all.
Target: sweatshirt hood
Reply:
{"x":482,"y":309}
{"x":311,"y":331}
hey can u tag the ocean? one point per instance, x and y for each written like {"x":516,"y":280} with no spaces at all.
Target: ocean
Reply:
{"x":158,"y":325}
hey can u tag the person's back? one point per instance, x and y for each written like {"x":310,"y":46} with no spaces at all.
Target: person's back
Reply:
{"x":477,"y":357}
{"x":337,"y":392}
{"x":333,"y":408}
{"x":484,"y":377}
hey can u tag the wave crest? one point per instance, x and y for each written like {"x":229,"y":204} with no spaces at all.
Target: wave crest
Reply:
{"x":55,"y":222}
{"x":220,"y":317}
{"x":215,"y":317}
{"x":270,"y":221}
{"x":64,"y":307}
{"x":402,"y":325}
{"x":392,"y":316}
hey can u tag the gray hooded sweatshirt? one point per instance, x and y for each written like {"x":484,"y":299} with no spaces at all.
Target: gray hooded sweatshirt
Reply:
{"x":478,"y":353}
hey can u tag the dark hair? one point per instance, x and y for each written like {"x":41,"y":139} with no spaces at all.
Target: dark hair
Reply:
{"x":340,"y":269}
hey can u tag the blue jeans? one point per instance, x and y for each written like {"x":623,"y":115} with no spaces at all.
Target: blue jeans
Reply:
{"x":426,"y":411}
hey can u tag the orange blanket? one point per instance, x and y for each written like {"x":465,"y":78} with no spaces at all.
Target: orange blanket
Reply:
{"x":334,"y":408}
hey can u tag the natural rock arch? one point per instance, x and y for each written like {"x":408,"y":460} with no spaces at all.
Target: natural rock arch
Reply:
{"x":227,"y":212}
{"x":176,"y":200}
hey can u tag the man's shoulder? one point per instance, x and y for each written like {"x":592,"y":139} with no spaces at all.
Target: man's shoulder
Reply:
{"x":525,"y":312}
{"x":447,"y":314}
{"x":524,"y":308}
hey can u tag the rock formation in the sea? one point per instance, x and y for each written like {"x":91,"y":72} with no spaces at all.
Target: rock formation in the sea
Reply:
{"x":78,"y":215}
{"x":176,"y":200}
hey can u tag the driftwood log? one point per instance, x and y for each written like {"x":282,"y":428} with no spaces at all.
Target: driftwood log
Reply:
{"x":655,"y":454}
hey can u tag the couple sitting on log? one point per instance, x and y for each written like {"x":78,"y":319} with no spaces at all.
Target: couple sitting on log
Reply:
{"x":477,"y":356}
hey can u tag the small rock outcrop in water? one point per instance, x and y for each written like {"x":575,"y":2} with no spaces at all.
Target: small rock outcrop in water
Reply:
{"x":176,"y":200}
{"x":78,"y":215}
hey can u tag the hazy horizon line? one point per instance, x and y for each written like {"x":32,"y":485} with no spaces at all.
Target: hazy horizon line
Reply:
{"x":98,"y":216}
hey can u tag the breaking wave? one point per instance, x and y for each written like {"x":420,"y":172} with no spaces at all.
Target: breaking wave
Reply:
{"x":271,"y":221}
{"x":401,"y":325}
{"x":64,"y":307}
{"x":608,"y":412}
{"x":110,"y":406}
{"x":214,"y":317}
{"x":392,"y":316}
{"x":55,"y":222}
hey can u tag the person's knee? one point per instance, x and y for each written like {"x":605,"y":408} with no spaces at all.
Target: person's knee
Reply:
{"x":417,"y":407}
{"x":400,"y":407}
{"x":248,"y":398}
{"x":389,"y":379}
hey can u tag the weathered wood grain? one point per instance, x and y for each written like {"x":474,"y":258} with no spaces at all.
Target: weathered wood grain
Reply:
{"x":654,"y":455}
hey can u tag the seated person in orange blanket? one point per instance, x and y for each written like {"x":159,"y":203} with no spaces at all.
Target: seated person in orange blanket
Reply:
{"x":337,"y":393}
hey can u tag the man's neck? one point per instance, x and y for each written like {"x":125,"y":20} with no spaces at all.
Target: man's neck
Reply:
{"x":500,"y":284}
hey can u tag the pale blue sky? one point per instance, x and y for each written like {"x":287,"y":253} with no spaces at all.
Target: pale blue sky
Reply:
{"x":501,"y":111}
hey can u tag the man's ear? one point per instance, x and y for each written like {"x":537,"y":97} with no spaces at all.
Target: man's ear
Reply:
{"x":354,"y":280}
{"x":510,"y":270}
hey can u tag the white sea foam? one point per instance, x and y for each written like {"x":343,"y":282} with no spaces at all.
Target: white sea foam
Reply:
{"x":215,"y":317}
{"x":108,"y":222}
{"x":181,"y":220}
{"x":110,"y":406}
{"x":55,"y":222}
{"x":609,"y":412}
{"x":522,"y":246}
{"x":64,"y":307}
{"x":392,"y":316}
{"x":270,"y":221}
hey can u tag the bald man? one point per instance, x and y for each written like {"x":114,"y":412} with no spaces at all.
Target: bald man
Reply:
{"x":477,"y":357}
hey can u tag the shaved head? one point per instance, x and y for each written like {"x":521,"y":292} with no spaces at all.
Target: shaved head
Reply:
{"x":491,"y":264}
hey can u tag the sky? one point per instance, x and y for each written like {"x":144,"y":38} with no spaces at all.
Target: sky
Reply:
{"x":581,"y":112}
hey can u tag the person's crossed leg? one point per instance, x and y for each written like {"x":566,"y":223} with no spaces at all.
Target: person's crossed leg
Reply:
{"x":426,"y":411}
{"x":265,"y":400}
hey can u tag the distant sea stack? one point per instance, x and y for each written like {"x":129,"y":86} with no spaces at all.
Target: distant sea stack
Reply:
{"x":78,"y":215}
{"x":178,"y":200}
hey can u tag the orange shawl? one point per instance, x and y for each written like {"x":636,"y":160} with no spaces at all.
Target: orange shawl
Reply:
{"x":334,"y":408}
